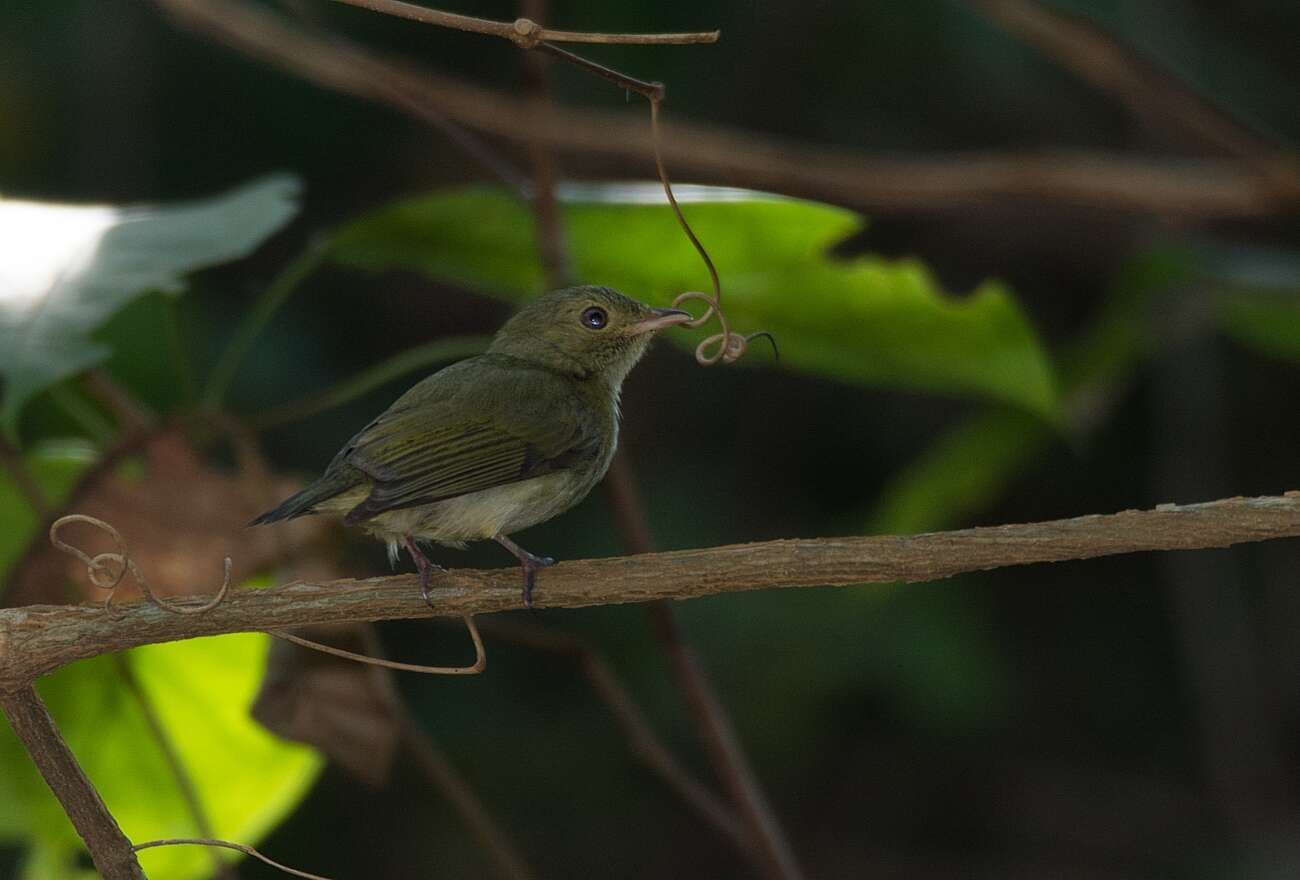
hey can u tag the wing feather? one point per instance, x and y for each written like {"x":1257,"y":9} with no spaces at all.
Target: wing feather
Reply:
{"x":438,"y":441}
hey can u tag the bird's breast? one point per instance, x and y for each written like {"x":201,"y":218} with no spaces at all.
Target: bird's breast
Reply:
{"x":479,"y":515}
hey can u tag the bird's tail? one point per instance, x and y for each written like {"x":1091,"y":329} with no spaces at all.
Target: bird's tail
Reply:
{"x":304,"y":502}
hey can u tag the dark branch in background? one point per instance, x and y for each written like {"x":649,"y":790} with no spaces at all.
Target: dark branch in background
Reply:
{"x":109,"y":848}
{"x":1195,"y":188}
{"x":629,"y":717}
{"x":772,"y":852}
{"x":761,"y":838}
{"x":1148,"y":89}
{"x":31,"y":490}
{"x":180,"y":774}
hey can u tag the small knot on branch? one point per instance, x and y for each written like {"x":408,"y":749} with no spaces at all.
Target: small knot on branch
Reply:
{"x":105,"y":571}
{"x":526,"y":33}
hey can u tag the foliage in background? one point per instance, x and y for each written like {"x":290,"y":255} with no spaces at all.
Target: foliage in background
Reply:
{"x":863,"y":319}
{"x":78,"y":265}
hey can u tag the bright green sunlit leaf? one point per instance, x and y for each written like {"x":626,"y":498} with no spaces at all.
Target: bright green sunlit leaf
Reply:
{"x":201,"y":689}
{"x":868,"y":319}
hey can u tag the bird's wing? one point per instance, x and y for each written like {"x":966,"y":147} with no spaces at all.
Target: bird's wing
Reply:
{"x":448,"y":437}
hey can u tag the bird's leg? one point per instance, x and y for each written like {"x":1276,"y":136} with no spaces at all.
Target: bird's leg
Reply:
{"x":528,"y":562}
{"x":423,"y":565}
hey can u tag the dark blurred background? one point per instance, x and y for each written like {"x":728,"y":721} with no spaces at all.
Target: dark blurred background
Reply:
{"x":1132,"y":717}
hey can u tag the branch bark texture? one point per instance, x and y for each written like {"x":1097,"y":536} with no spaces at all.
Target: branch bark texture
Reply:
{"x":36,"y":640}
{"x":109,"y":848}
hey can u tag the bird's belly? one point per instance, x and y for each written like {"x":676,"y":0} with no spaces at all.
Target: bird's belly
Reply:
{"x":480,"y":515}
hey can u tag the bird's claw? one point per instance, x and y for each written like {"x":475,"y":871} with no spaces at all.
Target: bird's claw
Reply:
{"x":530,"y":567}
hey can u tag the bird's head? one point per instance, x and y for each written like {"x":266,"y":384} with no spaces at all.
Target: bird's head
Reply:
{"x":588,"y":332}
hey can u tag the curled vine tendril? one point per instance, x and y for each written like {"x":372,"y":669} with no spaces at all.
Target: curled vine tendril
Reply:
{"x":106,"y":571}
{"x":724,"y":347}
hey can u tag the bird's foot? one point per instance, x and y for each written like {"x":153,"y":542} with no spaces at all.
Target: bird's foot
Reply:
{"x":530,"y":567}
{"x":425,"y":566}
{"x":531,"y":563}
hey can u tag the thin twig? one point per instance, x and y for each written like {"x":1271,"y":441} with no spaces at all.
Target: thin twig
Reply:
{"x":438,"y":351}
{"x":110,"y":850}
{"x":771,"y":850}
{"x":557,"y":262}
{"x":226,"y":844}
{"x":627,"y":714}
{"x":523,"y":32}
{"x":1193,"y":189}
{"x":270,"y":301}
{"x":23,"y":478}
{"x":36,"y":640}
{"x":180,"y":775}
{"x":479,"y":664}
{"x":1149,"y":89}
{"x":130,"y":412}
{"x":438,"y":770}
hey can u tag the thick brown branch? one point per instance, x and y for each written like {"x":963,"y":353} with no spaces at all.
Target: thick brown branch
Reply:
{"x":109,"y":848}
{"x":38,"y":639}
{"x":719,"y":155}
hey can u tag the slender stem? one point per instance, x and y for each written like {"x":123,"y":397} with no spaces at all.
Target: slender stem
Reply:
{"x":180,"y":775}
{"x":774,"y":855}
{"x":182,"y":366}
{"x":275,"y":296}
{"x":433,"y":763}
{"x":438,"y":351}
{"x":712,"y":154}
{"x":631,"y":720}
{"x":130,"y":413}
{"x":87,"y":417}
{"x":557,"y":264}
{"x":653,"y":91}
{"x":522,"y":32}
{"x":109,"y":848}
{"x":227,"y":844}
{"x":13,"y":462}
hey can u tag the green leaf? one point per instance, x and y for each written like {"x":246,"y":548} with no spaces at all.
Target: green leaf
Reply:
{"x":969,"y":467}
{"x":246,"y":779}
{"x":1267,"y":324}
{"x":870,"y":320}
{"x":962,"y":472}
{"x":82,"y":263}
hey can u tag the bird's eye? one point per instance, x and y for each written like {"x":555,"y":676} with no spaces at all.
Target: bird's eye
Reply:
{"x":595,"y":318}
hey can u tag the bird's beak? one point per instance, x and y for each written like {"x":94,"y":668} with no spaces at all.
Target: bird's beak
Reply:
{"x":660,"y":319}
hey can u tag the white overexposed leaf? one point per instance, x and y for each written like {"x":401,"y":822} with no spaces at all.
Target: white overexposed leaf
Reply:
{"x":66,"y":269}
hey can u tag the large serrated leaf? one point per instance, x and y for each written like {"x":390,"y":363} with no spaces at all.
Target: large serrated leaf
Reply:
{"x":870,"y":320}
{"x":67,"y":268}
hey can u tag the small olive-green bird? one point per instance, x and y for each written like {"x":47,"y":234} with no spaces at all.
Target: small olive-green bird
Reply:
{"x":498,"y":442}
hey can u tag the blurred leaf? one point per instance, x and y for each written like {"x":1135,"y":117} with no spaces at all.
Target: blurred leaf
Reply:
{"x":78,"y":264}
{"x":201,"y":689}
{"x":1269,"y":324}
{"x":968,"y":468}
{"x":965,"y":470}
{"x":865,"y":319}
